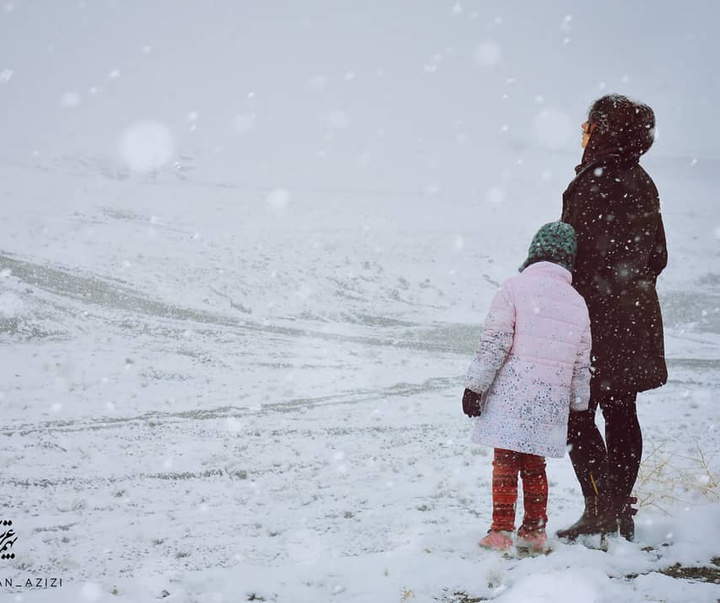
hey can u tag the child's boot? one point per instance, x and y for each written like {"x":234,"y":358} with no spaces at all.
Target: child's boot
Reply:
{"x":532,"y":542}
{"x":497,"y":540}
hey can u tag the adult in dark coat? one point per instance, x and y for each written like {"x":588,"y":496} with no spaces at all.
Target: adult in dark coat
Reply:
{"x":613,"y":205}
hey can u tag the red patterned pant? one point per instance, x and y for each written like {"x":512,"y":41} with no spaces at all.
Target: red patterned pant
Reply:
{"x":506,"y":466}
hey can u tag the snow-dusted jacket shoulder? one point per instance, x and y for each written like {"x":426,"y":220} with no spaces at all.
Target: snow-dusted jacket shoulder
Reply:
{"x":532,"y":364}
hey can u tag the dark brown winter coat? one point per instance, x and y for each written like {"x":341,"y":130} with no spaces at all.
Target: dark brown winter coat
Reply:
{"x":613,"y":205}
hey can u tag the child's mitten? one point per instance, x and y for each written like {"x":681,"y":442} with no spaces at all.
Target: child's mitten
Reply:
{"x":471,"y":403}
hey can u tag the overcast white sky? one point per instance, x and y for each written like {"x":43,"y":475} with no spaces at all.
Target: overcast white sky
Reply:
{"x":347,"y":93}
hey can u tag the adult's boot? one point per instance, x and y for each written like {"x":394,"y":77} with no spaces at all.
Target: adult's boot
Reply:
{"x":597,"y":518}
{"x":625,"y":520}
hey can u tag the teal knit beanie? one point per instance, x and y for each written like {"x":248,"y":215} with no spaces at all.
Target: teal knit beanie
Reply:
{"x":555,"y":242}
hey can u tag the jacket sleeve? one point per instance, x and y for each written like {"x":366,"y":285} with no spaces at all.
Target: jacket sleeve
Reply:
{"x":584,"y":208}
{"x":580,"y":384}
{"x":658,"y":256}
{"x":496,"y":339}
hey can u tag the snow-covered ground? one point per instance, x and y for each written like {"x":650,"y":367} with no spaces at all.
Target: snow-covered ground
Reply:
{"x":215,"y":396}
{"x":233,"y":340}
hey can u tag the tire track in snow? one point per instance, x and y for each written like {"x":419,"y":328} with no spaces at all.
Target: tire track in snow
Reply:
{"x":117,"y":296}
{"x":231,"y":412}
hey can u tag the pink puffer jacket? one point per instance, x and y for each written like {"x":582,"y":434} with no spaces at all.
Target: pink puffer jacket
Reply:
{"x":532,"y":364}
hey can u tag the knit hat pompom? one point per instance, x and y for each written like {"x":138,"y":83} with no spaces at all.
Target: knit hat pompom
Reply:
{"x":555,"y":242}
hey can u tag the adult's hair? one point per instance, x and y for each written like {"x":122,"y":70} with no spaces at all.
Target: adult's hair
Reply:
{"x":622,"y":125}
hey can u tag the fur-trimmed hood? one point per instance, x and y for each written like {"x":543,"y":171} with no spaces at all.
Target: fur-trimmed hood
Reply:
{"x":623,"y":127}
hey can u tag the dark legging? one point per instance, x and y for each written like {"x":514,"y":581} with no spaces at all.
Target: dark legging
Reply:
{"x":607,"y":467}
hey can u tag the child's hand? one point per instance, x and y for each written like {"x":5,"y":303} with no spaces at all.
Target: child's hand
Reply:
{"x":471,"y":403}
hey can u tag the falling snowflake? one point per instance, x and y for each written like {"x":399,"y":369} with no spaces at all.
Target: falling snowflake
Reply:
{"x":488,"y":54}
{"x":70,"y":99}
{"x":278,"y":198}
{"x":147,"y":146}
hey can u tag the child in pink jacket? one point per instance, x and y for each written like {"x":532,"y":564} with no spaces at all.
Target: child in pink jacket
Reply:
{"x":531,"y":368}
